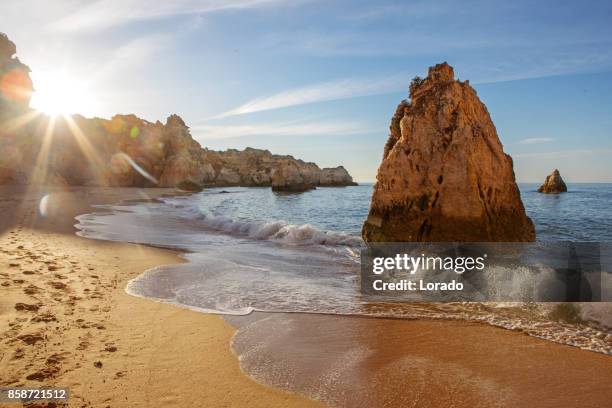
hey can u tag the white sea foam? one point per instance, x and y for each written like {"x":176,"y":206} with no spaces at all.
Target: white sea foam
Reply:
{"x":235,"y":266}
{"x":283,"y":231}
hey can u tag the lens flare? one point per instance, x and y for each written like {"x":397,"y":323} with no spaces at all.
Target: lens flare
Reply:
{"x":16,"y":86}
{"x":43,"y":206}
{"x":136,"y":167}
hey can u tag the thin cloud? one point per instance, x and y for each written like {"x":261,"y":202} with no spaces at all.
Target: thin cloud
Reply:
{"x":347,"y":88}
{"x":104,"y":13}
{"x":321,"y":92}
{"x":563,"y":154}
{"x":536,"y":140}
{"x":135,"y":53}
{"x":208,"y":132}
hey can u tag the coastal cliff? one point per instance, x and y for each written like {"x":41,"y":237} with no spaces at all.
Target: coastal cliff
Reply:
{"x":553,"y":184}
{"x":15,"y":82}
{"x":126,"y":150}
{"x":444,"y":175}
{"x":258,"y":168}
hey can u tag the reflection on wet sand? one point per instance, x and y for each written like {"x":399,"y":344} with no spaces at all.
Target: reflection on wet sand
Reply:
{"x":374,"y":362}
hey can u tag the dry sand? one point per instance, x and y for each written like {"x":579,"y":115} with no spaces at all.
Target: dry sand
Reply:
{"x":65,"y":319}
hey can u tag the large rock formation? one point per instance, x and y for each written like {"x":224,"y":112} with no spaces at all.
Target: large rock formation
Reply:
{"x":122,"y":151}
{"x":289,"y":175}
{"x":15,"y":83}
{"x":553,"y":184}
{"x":335,"y":176}
{"x":127,"y":150}
{"x":444,"y":174}
{"x":257,"y":168}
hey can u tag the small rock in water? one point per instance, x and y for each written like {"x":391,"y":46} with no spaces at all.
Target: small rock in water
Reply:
{"x":554,"y":184}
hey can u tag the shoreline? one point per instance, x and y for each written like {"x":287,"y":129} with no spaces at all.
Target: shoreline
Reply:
{"x":80,"y":329}
{"x":154,"y":352}
{"x":587,"y":335}
{"x":358,"y":361}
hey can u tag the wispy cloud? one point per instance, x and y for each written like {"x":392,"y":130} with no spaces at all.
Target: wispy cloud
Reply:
{"x":321,"y":92}
{"x":203,"y":132}
{"x":562,"y":154}
{"x":134,"y":53}
{"x":536,"y":140}
{"x":107,"y":13}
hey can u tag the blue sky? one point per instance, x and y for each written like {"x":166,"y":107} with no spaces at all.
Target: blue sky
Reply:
{"x":321,"y":79}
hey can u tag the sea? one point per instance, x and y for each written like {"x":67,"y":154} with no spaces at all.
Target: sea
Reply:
{"x":255,"y":250}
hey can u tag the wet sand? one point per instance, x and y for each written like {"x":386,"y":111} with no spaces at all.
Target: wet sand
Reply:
{"x":65,"y":319}
{"x":370,"y":362}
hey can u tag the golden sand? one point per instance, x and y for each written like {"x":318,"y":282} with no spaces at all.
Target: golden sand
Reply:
{"x":66,"y":321}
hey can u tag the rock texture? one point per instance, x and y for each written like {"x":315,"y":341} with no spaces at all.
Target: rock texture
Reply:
{"x":127,"y":150}
{"x":289,"y":175}
{"x":554,"y":184}
{"x":444,"y":175}
{"x":15,"y":83}
{"x":335,"y":176}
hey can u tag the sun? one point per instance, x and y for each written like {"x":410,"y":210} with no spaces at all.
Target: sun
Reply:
{"x":60,"y":94}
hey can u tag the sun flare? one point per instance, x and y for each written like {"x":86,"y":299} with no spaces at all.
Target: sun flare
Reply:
{"x":60,"y":94}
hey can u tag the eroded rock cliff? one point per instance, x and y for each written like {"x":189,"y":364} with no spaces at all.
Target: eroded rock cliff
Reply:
{"x":289,"y":175}
{"x":335,"y":176}
{"x":127,"y":150}
{"x":553,"y":184}
{"x":15,"y":83}
{"x":444,"y":175}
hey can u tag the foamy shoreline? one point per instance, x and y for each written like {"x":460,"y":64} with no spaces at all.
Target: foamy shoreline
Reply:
{"x":532,"y":319}
{"x":178,"y":357}
{"x":87,"y":334}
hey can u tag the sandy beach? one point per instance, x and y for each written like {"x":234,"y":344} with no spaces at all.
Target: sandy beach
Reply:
{"x":371,"y":362}
{"x":65,"y":320}
{"x":279,"y":204}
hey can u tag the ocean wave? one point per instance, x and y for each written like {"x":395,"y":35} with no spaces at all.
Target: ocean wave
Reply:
{"x":281,"y":231}
{"x":233,"y":279}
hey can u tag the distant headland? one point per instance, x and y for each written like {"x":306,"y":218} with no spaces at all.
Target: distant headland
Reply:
{"x":127,"y":150}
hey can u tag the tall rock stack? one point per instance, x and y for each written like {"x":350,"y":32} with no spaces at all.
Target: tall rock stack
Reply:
{"x":444,"y":175}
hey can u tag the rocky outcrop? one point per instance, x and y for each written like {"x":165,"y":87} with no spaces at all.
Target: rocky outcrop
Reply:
{"x":227,"y":177}
{"x":122,"y":151}
{"x":127,"y":150}
{"x":249,"y":167}
{"x":15,"y":83}
{"x":554,"y":184}
{"x":335,"y":176}
{"x":258,"y":168}
{"x":295,"y":176}
{"x":444,"y":175}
